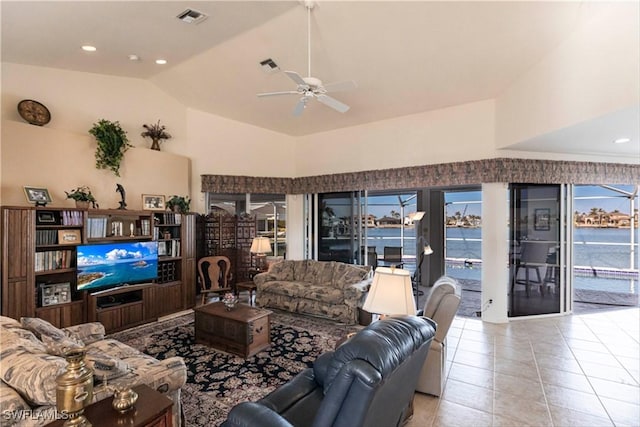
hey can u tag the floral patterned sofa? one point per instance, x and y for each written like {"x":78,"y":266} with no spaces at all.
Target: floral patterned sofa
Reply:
{"x":30,"y":361}
{"x":328,"y":289}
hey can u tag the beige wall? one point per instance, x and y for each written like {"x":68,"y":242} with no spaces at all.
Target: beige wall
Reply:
{"x":592,"y":73}
{"x":208,"y":144}
{"x":221,"y":146}
{"x":464,"y":132}
{"x":60,"y":160}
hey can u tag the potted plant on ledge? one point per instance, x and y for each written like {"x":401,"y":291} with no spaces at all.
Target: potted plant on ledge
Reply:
{"x":82,"y":195}
{"x":179,"y":204}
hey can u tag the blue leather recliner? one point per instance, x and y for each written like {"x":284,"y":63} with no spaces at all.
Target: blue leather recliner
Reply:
{"x":368,"y":381}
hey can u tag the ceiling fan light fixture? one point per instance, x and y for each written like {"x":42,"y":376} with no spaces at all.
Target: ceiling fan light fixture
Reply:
{"x":311,"y":87}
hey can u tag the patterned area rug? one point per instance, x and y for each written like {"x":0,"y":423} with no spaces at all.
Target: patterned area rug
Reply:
{"x":217,"y":381}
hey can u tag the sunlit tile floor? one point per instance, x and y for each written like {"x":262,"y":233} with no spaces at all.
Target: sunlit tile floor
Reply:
{"x":577,"y":370}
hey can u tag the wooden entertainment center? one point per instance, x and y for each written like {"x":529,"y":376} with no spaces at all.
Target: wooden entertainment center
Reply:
{"x":39,"y":271}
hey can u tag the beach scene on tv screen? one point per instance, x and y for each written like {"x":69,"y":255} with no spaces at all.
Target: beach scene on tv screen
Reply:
{"x":115,"y":264}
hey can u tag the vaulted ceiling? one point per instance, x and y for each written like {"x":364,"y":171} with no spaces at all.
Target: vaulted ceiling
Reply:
{"x":406,"y":57}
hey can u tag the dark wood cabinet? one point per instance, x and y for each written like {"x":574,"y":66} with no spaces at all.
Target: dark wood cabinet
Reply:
{"x":39,"y":250}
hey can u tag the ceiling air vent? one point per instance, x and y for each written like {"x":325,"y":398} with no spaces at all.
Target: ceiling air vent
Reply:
{"x":268,"y":65}
{"x":191,"y":16}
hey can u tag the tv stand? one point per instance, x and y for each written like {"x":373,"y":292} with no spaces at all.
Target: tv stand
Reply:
{"x":122,"y":307}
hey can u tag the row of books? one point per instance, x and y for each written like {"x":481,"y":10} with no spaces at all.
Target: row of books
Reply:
{"x":169,"y":218}
{"x":53,"y":260}
{"x":72,"y":217}
{"x":170,"y":248}
{"x":46,"y":237}
{"x":96,"y":227}
{"x":145,"y":227}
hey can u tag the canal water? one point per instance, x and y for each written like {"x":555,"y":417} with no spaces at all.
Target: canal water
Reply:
{"x":593,"y":247}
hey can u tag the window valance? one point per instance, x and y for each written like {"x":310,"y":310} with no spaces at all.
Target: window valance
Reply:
{"x":444,"y":174}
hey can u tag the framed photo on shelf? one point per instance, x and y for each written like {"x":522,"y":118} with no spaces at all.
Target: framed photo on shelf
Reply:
{"x":55,"y":293}
{"x":69,"y":237}
{"x":39,"y":196}
{"x":542,"y":219}
{"x":46,"y":217}
{"x":153,"y":202}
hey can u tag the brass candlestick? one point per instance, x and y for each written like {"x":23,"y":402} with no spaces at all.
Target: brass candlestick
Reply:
{"x":74,"y":388}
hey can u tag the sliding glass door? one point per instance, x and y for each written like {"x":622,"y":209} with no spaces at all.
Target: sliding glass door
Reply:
{"x":537,"y":252}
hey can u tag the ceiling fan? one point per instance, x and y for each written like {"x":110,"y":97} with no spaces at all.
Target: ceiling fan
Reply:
{"x":312,"y":87}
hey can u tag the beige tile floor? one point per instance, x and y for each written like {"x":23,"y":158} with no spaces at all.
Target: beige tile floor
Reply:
{"x":577,"y":370}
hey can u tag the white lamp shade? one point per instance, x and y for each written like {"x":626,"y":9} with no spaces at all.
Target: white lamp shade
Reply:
{"x":390,"y":293}
{"x":261,"y":245}
{"x":428,"y":250}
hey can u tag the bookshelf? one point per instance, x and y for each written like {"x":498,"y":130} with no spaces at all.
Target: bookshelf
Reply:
{"x":39,"y":272}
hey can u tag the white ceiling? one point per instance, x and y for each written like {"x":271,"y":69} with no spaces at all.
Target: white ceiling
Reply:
{"x":406,"y":57}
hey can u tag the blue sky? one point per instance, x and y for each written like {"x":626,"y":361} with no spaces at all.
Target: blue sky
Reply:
{"x":116,"y":252}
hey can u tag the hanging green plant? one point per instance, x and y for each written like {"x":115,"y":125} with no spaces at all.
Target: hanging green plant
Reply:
{"x":112,"y":143}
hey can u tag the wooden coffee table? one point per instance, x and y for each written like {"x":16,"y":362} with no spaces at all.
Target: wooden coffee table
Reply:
{"x":243,"y":331}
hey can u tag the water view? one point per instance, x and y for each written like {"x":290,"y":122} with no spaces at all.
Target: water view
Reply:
{"x":593,"y":248}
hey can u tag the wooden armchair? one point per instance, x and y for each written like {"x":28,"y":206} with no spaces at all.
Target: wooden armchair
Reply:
{"x":215,"y":276}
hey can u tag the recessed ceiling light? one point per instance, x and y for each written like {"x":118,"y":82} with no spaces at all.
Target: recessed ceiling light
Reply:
{"x":161,"y":61}
{"x":89,"y":48}
{"x":621,"y":140}
{"x":133,"y":57}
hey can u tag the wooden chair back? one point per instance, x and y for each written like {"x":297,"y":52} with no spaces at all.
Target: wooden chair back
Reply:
{"x":214,"y":273}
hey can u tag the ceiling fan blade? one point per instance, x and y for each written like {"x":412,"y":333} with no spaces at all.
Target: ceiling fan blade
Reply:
{"x":340,"y":86}
{"x":300,"y":106}
{"x":333,"y":103}
{"x":296,"y":78}
{"x":288,"y":92}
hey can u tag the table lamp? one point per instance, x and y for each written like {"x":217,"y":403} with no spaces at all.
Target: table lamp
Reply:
{"x":390,"y":293}
{"x":260,"y":246}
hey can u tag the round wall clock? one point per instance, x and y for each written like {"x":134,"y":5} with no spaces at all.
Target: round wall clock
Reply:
{"x":34,"y":112}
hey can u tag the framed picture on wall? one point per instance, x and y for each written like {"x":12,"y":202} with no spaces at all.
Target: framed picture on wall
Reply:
{"x":153,"y":202}
{"x":542,"y":219}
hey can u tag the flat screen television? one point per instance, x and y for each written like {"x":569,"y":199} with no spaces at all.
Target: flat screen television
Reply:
{"x":108,"y":265}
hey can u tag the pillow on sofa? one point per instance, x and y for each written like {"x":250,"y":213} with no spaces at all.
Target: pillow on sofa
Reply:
{"x":58,"y":346}
{"x":348,"y":274}
{"x":33,"y":375}
{"x":319,"y":272}
{"x":41,"y":327}
{"x":86,"y":332}
{"x":55,"y":340}
{"x":13,"y":335}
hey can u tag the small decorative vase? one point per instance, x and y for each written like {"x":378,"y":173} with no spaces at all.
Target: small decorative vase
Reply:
{"x":74,"y":388}
{"x":230,"y":303}
{"x":155,"y":144}
{"x":124,"y":399}
{"x":82,"y":204}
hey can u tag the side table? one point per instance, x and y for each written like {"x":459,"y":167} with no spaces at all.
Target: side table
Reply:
{"x":151,"y":410}
{"x":247,"y":286}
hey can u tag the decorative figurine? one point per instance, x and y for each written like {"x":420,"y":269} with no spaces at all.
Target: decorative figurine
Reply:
{"x":120,"y":189}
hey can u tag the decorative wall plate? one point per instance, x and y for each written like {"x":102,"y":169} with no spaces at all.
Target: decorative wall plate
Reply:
{"x":34,"y":112}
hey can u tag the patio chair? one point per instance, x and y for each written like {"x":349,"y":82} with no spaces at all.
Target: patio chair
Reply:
{"x":392,"y":256}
